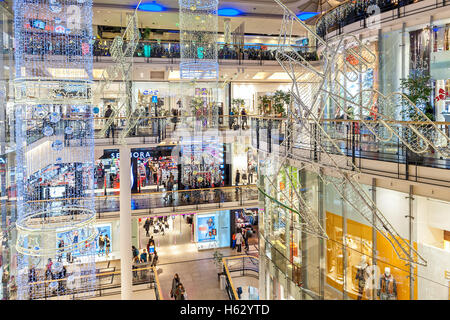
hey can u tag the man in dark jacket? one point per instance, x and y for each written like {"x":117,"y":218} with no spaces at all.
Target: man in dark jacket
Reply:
{"x":108,"y":114}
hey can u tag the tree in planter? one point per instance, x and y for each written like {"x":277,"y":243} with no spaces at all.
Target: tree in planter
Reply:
{"x":237,"y":104}
{"x":218,"y":256}
{"x":418,"y":90}
{"x":146,"y":33}
{"x":264,"y":104}
{"x":281,"y":101}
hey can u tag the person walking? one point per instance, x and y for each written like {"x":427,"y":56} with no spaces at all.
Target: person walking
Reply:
{"x":180,"y":292}
{"x":155,"y":259}
{"x":108,"y":114}
{"x":239,"y":239}
{"x":175,"y":283}
{"x":244,"y":119}
{"x":147,"y":227}
{"x":245,"y":236}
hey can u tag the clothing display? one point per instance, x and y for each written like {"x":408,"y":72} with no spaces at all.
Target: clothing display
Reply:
{"x":388,"y":287}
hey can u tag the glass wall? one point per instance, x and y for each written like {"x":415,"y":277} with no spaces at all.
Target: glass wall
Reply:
{"x":360,"y":262}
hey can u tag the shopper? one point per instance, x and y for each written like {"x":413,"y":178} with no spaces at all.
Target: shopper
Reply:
{"x":135,"y":252}
{"x":244,"y":119}
{"x":155,"y":259}
{"x":107,"y":245}
{"x":108,"y":114}
{"x":238,"y":177}
{"x":245,"y":236}
{"x":48,"y":271}
{"x":175,"y":283}
{"x":239,"y":239}
{"x":147,"y":227}
{"x":233,"y":243}
{"x":143,"y":257}
{"x":180,"y":293}
{"x":60,"y":250}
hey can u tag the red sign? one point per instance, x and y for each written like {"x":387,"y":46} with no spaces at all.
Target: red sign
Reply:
{"x":442,"y":95}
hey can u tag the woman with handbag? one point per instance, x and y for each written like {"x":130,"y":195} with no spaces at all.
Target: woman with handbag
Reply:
{"x":175,"y":283}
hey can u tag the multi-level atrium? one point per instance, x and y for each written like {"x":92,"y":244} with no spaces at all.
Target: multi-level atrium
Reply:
{"x":200,"y":150}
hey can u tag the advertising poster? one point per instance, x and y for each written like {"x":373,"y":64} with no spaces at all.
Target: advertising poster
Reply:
{"x":206,"y":228}
{"x":103,"y":229}
{"x":76,"y":237}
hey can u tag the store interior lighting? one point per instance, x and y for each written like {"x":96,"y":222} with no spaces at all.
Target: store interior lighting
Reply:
{"x":279,"y":76}
{"x":65,"y":73}
{"x":260,"y":76}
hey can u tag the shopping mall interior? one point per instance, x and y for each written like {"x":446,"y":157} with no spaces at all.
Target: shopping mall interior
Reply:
{"x":225,"y":150}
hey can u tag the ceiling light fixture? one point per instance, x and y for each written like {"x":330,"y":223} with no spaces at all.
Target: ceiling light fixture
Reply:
{"x":151,"y":7}
{"x":229,"y":12}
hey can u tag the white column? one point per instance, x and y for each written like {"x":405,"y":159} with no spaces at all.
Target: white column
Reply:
{"x":126,"y":284}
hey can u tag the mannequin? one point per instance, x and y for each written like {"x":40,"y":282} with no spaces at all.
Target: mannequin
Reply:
{"x":361,"y":276}
{"x":388,"y":286}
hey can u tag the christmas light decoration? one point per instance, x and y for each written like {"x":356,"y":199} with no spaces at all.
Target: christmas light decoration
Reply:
{"x":54,"y":147}
{"x":198,"y":37}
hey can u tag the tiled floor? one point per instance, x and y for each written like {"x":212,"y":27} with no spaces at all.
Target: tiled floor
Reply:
{"x":177,"y":254}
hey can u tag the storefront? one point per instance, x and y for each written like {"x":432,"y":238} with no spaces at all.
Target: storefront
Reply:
{"x":243,"y":160}
{"x":250,"y":93}
{"x":150,"y":167}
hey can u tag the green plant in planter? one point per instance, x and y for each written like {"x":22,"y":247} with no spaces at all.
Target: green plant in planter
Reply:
{"x":218,"y":256}
{"x":281,"y":101}
{"x":238,"y":103}
{"x":264,"y":104}
{"x":417,"y":88}
{"x":146,"y":33}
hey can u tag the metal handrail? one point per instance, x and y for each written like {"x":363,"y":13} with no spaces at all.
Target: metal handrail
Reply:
{"x":227,"y":271}
{"x":158,"y":291}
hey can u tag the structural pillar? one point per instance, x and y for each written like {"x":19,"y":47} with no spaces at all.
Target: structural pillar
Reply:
{"x":126,"y":283}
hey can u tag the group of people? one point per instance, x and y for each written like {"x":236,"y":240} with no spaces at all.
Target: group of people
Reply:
{"x":159,"y":225}
{"x":178,"y":292}
{"x":241,"y":236}
{"x":146,"y":256}
{"x":234,"y":120}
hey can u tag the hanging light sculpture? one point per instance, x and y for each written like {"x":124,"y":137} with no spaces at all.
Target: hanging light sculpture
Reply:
{"x":54,"y":148}
{"x":198,"y":38}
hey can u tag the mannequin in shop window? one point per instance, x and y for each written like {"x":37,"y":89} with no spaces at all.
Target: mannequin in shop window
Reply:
{"x":388,"y":286}
{"x":361,"y":276}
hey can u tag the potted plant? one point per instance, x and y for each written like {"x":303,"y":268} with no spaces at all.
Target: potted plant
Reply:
{"x":218,"y":256}
{"x":264,"y":104}
{"x":281,"y":100}
{"x":417,"y":88}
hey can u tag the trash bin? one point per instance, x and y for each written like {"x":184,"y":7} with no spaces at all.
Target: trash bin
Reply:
{"x":223,"y":281}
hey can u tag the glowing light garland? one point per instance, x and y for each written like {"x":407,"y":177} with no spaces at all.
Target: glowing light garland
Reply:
{"x":198,"y":37}
{"x":54,"y":146}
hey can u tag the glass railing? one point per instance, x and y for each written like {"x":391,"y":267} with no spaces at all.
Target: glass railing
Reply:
{"x":243,"y":265}
{"x":107,"y":281}
{"x":171,"y":50}
{"x":163,"y":202}
{"x":354,"y":139}
{"x":353,"y":11}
